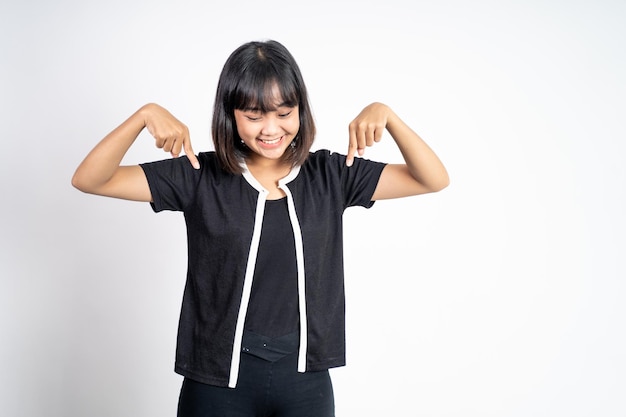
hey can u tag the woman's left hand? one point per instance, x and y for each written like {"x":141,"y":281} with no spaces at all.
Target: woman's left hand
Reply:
{"x":368,"y":127}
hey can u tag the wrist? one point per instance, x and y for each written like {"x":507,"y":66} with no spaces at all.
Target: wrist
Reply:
{"x":145,"y":113}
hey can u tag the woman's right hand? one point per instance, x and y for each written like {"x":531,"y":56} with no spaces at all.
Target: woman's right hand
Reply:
{"x":100,"y":172}
{"x":170,"y":134}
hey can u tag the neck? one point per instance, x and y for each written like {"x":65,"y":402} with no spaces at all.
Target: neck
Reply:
{"x":268,"y":165}
{"x":268,"y":173}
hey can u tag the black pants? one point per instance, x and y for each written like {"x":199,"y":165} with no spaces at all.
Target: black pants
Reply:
{"x":264,"y":389}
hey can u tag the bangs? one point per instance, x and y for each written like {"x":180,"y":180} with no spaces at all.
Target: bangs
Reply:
{"x":265,"y":90}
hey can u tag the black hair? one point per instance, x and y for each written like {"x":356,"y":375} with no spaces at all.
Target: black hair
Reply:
{"x":247,"y":82}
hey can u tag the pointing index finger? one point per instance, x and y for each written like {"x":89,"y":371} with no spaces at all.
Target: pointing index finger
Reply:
{"x":190,"y":154}
{"x":352,"y":147}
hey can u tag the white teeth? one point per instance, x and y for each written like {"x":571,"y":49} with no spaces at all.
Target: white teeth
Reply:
{"x":270,"y":142}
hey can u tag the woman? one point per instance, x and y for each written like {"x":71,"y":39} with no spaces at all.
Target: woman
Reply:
{"x":262,"y":318}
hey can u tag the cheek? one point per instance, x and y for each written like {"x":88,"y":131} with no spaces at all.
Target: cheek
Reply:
{"x":245,"y":130}
{"x":295,"y":126}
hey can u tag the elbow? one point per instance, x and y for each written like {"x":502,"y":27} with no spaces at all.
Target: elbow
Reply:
{"x":80,"y":183}
{"x":435,"y":188}
{"x":77,"y":183}
{"x":443,"y":183}
{"x":439,"y":183}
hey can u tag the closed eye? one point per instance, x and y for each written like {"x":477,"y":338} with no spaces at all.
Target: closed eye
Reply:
{"x":253,"y":115}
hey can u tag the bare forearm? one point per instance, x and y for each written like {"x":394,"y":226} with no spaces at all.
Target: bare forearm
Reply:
{"x":103,"y":161}
{"x":423,"y":164}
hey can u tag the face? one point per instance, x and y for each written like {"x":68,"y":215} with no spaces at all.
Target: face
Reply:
{"x":268,"y":135}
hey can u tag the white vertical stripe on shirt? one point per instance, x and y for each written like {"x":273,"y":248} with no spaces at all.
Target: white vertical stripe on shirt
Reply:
{"x":297,"y":235}
{"x":247,"y":287}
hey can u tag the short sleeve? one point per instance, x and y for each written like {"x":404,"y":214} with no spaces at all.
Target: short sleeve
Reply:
{"x":355,"y":184}
{"x":173,"y":183}
{"x":359,"y":181}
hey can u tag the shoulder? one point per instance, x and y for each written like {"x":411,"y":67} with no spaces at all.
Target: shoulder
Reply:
{"x":180,"y":168}
{"x":322,"y":163}
{"x":209,"y":163}
{"x":205,"y":158}
{"x":334,"y":161}
{"x":209,"y":157}
{"x":323,"y":157}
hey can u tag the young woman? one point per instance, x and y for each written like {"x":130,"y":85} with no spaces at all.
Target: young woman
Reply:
{"x":262,"y":318}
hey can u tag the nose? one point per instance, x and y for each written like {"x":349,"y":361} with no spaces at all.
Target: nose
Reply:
{"x":270,"y":127}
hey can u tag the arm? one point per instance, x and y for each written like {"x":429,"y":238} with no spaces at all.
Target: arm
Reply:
{"x":422,"y":172}
{"x":100,"y":172}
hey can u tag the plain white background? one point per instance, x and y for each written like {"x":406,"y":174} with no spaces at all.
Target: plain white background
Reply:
{"x":500,"y":296}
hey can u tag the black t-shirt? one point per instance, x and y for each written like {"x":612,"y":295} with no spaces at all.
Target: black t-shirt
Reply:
{"x":223,"y":214}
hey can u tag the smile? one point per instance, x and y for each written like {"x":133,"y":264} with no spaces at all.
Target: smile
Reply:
{"x":271,"y":141}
